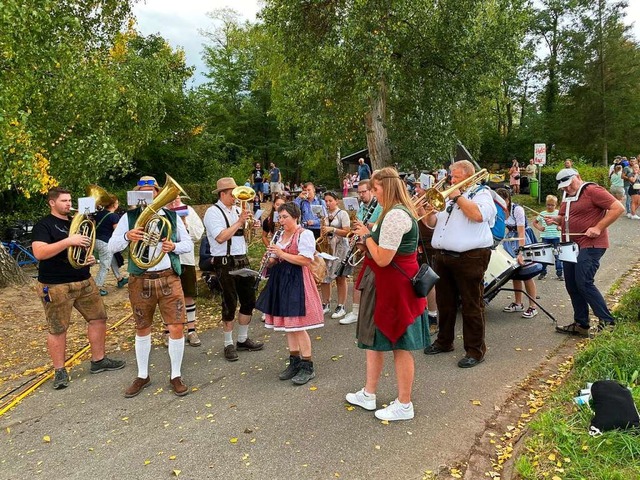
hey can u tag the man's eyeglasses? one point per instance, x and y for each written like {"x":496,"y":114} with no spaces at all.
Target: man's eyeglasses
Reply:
{"x":362,"y":192}
{"x":564,"y":179}
{"x":142,"y":183}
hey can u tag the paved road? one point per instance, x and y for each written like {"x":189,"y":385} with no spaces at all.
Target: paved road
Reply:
{"x":282,"y":431}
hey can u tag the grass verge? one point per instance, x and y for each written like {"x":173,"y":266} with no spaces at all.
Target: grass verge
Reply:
{"x":559,"y":446}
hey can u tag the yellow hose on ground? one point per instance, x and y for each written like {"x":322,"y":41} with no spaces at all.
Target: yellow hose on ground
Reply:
{"x":39,"y":381}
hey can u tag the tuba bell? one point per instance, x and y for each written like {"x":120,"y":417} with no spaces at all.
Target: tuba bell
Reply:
{"x":83,"y":224}
{"x":156,"y":227}
{"x":245,"y":194}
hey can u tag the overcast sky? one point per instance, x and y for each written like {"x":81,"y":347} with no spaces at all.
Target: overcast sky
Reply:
{"x":179,"y":22}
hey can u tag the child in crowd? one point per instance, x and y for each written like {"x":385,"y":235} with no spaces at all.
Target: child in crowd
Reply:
{"x":550,"y":233}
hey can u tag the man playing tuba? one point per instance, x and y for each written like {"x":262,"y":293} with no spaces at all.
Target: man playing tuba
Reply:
{"x":157,"y":285}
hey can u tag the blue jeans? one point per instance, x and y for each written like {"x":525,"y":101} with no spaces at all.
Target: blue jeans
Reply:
{"x":554,"y":242}
{"x":579,"y":278}
{"x":627,"y":204}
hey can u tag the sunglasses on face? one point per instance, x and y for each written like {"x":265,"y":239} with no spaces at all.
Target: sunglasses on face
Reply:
{"x":564,"y":179}
{"x":143,"y":183}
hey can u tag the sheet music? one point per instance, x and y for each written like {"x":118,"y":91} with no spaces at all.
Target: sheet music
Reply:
{"x":136,"y":197}
{"x":87,"y":205}
{"x":350,"y":203}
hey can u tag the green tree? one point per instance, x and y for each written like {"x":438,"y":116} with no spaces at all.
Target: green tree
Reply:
{"x":401,"y":73}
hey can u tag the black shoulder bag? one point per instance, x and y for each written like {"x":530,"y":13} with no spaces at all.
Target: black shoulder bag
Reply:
{"x":423,"y":281}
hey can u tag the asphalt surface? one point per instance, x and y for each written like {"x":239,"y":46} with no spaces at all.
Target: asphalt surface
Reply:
{"x":241,"y":422}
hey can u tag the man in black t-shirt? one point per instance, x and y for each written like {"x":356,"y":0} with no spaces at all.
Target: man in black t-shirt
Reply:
{"x":257,"y":178}
{"x":62,"y":287}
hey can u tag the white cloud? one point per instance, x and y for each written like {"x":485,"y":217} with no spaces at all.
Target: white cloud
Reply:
{"x":179,"y":22}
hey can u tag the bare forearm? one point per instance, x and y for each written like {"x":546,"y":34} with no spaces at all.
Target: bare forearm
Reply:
{"x":44,"y":251}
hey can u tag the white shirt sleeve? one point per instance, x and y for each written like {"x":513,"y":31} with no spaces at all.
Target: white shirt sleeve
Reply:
{"x":486,"y":205}
{"x":394,"y":225}
{"x":214,"y":223}
{"x":183,"y":242}
{"x":307,"y":244}
{"x":195,"y":225}
{"x":518,"y":213}
{"x":117,"y":242}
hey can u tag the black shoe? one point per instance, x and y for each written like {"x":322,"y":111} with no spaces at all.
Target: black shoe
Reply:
{"x":292,"y":369}
{"x":106,"y":364}
{"x":434,"y":350}
{"x":542,"y":276}
{"x":305,"y":373}
{"x":433,"y":320}
{"x":61,"y":379}
{"x":251,"y":345}
{"x":230,"y":353}
{"x":469,"y":362}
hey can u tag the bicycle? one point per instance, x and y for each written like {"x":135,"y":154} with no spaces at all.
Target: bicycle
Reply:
{"x":21,"y":254}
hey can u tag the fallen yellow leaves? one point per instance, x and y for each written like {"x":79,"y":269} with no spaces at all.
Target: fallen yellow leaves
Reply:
{"x":233,"y":440}
{"x":176,"y":472}
{"x":477,"y":403}
{"x":46,"y":439}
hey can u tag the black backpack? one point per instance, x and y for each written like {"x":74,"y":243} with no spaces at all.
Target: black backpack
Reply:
{"x":614,"y":408}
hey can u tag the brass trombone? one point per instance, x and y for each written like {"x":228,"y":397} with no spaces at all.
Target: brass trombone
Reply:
{"x":437,"y":200}
{"x":83,"y":224}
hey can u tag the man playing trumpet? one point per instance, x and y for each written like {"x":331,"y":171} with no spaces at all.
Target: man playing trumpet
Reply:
{"x":157,"y":285}
{"x":225,"y":224}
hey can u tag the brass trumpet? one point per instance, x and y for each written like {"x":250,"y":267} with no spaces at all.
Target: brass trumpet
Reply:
{"x":437,"y":200}
{"x":83,"y":224}
{"x":245,"y":194}
{"x":323,"y":244}
{"x":155,"y":226}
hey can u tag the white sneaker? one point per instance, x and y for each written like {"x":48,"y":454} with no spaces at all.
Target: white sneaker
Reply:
{"x":530,"y":312}
{"x":628,"y":215}
{"x":349,"y":319}
{"x":339,"y":313}
{"x":635,"y":217}
{"x":395,"y":411}
{"x":368,"y":401}
{"x":325,"y":308}
{"x":514,"y":307}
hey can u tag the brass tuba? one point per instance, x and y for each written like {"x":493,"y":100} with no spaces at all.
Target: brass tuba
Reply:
{"x":245,"y":194}
{"x":155,"y":226}
{"x":83,"y":224}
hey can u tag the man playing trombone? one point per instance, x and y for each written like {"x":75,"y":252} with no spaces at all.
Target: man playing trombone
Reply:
{"x":158,"y":285}
{"x":463,"y":240}
{"x":225,"y":223}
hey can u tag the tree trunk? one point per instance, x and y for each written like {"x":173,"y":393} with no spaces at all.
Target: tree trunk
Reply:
{"x":339,"y":167}
{"x":10,"y":272}
{"x":377,"y":135}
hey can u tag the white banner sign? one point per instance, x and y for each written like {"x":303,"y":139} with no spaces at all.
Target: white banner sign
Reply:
{"x":540,"y":153}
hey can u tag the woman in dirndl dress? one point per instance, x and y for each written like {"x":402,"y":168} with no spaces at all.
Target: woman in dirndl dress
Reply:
{"x":398,"y":321}
{"x":337,"y":226}
{"x":290,"y":300}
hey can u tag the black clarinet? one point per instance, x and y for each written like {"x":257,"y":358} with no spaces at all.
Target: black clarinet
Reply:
{"x":367,"y":215}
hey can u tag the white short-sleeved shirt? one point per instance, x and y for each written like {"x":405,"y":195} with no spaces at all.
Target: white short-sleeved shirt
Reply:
{"x":456,"y":232}
{"x":214,"y":223}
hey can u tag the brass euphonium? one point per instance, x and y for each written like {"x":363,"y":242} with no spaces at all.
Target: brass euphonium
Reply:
{"x":83,"y":224}
{"x":245,"y":194}
{"x":156,"y":227}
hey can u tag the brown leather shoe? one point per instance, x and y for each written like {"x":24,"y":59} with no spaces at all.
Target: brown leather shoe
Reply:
{"x":251,"y":345}
{"x":230,"y":353}
{"x":136,"y":387}
{"x":179,"y":388}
